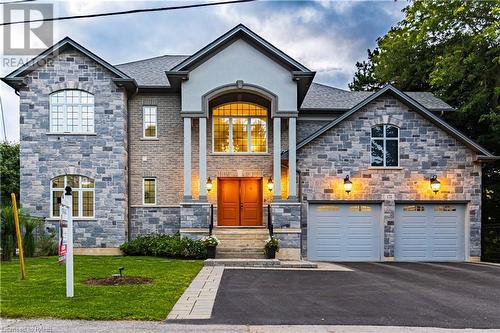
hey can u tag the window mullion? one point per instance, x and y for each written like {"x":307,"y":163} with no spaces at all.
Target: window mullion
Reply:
{"x":249,"y":135}
{"x":230,"y":134}
{"x":385,"y":148}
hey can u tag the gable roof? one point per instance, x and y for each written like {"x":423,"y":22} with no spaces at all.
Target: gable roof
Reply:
{"x":151,"y":72}
{"x":240,"y":31}
{"x":14,"y":78}
{"x":409,"y":101}
{"x":323,"y":97}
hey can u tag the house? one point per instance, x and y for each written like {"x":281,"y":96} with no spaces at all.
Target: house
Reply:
{"x":148,"y":147}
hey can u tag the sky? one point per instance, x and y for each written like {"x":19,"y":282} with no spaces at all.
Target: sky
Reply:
{"x":326,"y":36}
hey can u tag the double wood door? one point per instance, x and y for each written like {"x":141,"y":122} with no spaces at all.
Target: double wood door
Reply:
{"x":239,"y":201}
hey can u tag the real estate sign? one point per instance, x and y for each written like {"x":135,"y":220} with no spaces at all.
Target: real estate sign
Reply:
{"x":63,"y":234}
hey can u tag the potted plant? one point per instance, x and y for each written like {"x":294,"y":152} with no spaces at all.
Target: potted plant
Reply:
{"x":272,"y":246}
{"x":211,"y":243}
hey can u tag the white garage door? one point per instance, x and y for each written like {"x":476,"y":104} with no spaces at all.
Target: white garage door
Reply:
{"x":429,"y":232}
{"x":344,"y":232}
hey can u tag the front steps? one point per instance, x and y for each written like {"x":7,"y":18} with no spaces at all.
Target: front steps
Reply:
{"x":240,"y":242}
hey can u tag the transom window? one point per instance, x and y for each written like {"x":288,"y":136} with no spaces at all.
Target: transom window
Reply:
{"x":239,"y":127}
{"x":83,"y":195}
{"x":385,"y":146}
{"x":71,"y":111}
{"x":149,"y":121}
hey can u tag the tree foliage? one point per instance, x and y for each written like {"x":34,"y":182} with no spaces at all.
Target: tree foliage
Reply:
{"x":451,"y":48}
{"x":9,"y":171}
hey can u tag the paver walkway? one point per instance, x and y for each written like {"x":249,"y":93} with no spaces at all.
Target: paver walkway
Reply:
{"x":198,"y":299}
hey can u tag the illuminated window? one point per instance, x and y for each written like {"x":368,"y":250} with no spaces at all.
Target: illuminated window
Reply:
{"x":328,"y":208}
{"x":83,"y":195}
{"x":71,"y":111}
{"x":149,"y":186}
{"x":414,"y":208}
{"x":385,"y":146}
{"x":149,"y":121}
{"x":239,"y":127}
{"x":360,"y":208}
{"x":445,"y":208}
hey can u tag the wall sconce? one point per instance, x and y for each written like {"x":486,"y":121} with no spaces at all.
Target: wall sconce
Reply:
{"x":347,"y":184}
{"x":435,"y":184}
{"x":270,"y":184}
{"x":209,"y":184}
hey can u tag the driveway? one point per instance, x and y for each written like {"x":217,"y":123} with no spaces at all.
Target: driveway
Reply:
{"x":447,"y":295}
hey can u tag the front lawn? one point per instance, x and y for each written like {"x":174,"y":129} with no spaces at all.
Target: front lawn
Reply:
{"x":43,"y":294}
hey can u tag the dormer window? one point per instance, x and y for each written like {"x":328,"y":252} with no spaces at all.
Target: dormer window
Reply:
{"x":385,"y":146}
{"x":72,"y":111}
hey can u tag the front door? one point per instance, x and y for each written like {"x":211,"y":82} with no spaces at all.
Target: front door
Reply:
{"x":239,"y":201}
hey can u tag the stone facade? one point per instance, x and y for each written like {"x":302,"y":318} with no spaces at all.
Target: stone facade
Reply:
{"x":101,"y":156}
{"x":154,"y":220}
{"x":424,"y":150}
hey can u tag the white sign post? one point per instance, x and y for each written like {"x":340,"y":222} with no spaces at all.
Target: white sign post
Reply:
{"x":66,"y":214}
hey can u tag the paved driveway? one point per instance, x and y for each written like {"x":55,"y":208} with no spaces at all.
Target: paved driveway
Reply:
{"x":458,"y":295}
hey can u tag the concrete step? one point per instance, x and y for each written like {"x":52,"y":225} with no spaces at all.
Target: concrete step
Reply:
{"x":240,"y":255}
{"x":260,"y":262}
{"x":241,"y":242}
{"x":240,"y":249}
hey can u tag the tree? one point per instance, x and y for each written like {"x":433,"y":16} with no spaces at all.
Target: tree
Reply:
{"x":451,"y":48}
{"x":9,"y":171}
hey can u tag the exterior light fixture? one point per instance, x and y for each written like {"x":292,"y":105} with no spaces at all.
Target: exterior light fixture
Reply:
{"x":270,"y":184}
{"x":347,"y":184}
{"x":209,"y":184}
{"x":435,"y":184}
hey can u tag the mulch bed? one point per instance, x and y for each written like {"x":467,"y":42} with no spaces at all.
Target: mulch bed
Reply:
{"x":118,"y":281}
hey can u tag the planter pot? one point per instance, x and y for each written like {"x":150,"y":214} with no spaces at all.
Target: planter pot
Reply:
{"x":211,"y":250}
{"x":271,"y":253}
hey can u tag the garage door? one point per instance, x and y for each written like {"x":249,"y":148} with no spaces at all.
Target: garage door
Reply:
{"x":429,"y":232}
{"x":344,"y":232}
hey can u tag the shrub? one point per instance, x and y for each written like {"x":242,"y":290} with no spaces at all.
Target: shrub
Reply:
{"x":170,"y":246}
{"x":46,"y":245}
{"x":8,"y":233}
{"x":29,"y":225}
{"x":272,"y":243}
{"x":210,"y":240}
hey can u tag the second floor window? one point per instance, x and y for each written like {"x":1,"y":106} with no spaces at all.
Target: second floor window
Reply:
{"x":149,"y":121}
{"x":239,"y":127}
{"x":71,"y":111}
{"x":385,"y":146}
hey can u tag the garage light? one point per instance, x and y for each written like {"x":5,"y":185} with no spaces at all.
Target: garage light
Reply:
{"x":270,"y":184}
{"x":209,"y":184}
{"x":435,"y":184}
{"x":347,"y":184}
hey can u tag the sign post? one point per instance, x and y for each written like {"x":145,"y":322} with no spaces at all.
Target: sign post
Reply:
{"x":66,"y":215}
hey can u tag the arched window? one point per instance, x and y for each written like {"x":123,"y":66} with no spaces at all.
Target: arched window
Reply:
{"x":71,"y":111}
{"x":385,"y":146}
{"x":239,"y":127}
{"x":83,"y":195}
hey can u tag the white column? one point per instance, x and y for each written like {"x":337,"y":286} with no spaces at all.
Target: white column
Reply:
{"x":292,"y":160}
{"x":203,"y":158}
{"x":187,"y":159}
{"x":277,"y":157}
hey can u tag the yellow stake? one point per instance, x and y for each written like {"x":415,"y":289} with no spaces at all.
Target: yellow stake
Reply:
{"x":18,"y":234}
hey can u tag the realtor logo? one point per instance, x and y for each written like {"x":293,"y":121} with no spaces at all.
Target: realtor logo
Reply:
{"x":27,"y":38}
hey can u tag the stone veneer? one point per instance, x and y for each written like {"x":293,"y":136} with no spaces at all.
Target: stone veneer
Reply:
{"x":425,"y":150}
{"x":154,"y":220}
{"x":286,"y":225}
{"x":102,"y":156}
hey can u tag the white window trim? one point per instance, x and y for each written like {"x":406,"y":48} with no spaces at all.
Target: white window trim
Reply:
{"x":249,"y":136}
{"x":65,"y":113}
{"x":80,"y":197}
{"x":156,"y":191}
{"x":384,"y":139}
{"x":144,"y":122}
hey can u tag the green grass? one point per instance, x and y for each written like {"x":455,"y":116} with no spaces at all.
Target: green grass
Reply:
{"x":43,"y":294}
